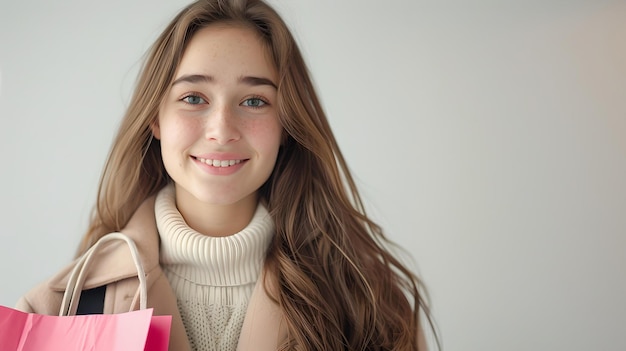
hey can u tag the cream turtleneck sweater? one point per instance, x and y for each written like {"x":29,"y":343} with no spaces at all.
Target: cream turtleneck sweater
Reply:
{"x":212,"y":277}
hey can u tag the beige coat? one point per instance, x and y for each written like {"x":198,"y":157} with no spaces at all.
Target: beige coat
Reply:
{"x":113,"y":266}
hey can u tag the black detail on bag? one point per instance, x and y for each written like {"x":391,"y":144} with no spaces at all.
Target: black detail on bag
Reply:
{"x":92,"y":301}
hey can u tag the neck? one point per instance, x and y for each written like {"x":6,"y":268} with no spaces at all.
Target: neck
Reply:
{"x":218,"y":220}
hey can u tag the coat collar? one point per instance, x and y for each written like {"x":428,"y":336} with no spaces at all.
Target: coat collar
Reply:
{"x":113,"y":262}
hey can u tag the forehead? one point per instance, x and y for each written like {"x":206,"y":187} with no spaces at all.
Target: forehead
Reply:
{"x":225,"y":48}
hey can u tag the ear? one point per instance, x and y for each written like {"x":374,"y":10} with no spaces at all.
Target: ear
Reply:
{"x":155,"y":128}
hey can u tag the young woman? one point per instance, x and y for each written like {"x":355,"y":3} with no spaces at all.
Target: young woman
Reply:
{"x":226,"y":175}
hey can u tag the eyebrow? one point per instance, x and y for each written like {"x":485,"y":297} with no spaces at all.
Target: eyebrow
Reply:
{"x":257,"y":81}
{"x":201,"y":78}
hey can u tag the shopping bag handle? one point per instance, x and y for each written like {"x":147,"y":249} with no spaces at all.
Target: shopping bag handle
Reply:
{"x":74,"y":287}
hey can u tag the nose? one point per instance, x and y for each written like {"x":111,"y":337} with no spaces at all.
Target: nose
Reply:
{"x":221,"y":125}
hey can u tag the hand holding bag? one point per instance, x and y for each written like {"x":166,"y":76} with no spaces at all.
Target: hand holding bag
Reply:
{"x":131,"y":331}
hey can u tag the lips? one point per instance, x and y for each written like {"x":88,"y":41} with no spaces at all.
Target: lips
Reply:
{"x":219,"y":163}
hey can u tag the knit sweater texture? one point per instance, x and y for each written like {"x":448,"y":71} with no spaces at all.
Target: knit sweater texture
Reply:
{"x":212,"y":277}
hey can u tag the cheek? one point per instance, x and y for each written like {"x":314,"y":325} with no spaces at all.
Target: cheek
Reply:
{"x":267,"y":135}
{"x":179,"y":131}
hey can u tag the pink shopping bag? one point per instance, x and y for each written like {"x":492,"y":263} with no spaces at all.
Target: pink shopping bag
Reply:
{"x":131,"y":331}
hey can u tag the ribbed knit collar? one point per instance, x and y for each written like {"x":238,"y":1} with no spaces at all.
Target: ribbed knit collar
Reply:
{"x":217,"y":261}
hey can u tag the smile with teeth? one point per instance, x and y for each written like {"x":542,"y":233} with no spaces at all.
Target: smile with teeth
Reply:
{"x":218,"y":163}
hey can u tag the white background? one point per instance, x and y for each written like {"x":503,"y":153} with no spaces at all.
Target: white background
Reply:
{"x":488,"y":138}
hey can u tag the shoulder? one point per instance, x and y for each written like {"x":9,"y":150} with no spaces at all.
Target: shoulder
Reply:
{"x":42,"y":299}
{"x":110,"y":264}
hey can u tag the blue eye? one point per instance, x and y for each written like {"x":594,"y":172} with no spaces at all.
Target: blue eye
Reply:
{"x":193,"y":100}
{"x":254,"y":102}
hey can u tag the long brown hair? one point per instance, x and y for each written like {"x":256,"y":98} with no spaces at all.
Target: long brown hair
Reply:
{"x":330,"y":272}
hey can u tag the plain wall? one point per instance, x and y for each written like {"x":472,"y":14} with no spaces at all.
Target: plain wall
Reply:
{"x":487,"y":137}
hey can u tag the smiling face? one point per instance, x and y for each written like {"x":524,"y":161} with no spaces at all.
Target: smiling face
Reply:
{"x":218,"y":124}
